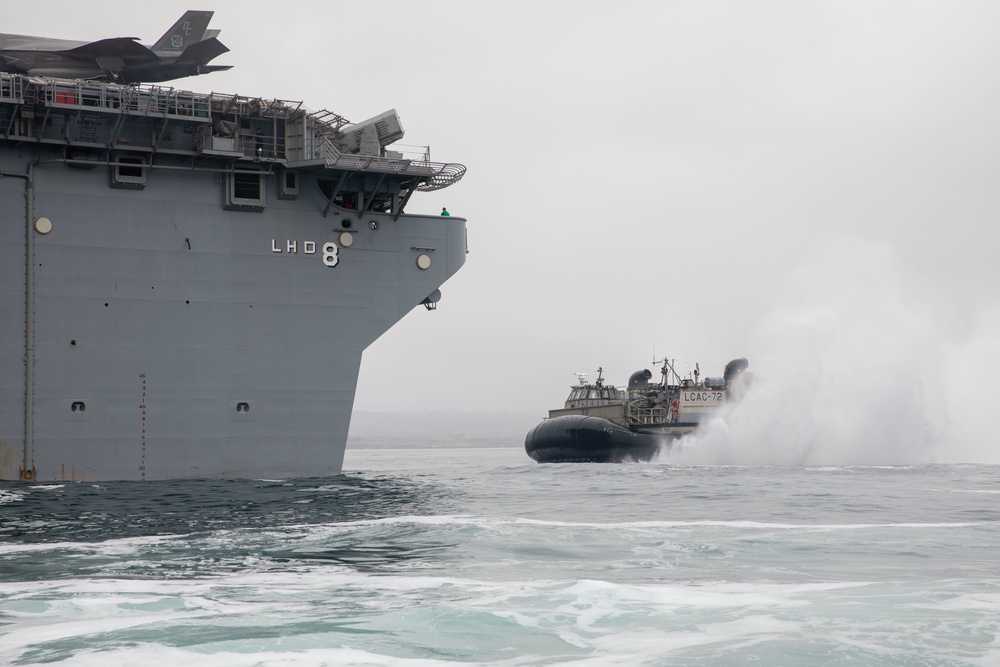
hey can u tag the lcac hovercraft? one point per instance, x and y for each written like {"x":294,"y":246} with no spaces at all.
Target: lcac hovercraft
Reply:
{"x":605,"y":424}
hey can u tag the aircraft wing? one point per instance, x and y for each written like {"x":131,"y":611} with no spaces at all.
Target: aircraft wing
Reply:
{"x":32,"y":43}
{"x":118,"y":47}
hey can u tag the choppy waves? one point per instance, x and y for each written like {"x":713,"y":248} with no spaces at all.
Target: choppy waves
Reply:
{"x":494,"y":563}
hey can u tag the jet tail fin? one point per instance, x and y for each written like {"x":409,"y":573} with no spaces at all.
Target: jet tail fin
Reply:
{"x":189,"y":29}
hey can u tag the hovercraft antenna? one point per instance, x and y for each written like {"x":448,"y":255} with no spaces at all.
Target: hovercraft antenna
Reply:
{"x":666,"y":369}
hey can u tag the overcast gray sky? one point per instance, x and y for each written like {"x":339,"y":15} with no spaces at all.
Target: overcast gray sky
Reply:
{"x":692,"y":179}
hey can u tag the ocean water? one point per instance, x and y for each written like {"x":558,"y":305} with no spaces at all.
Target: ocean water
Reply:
{"x":448,"y":557}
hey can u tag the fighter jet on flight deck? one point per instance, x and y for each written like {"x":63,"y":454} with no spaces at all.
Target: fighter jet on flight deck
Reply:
{"x":184,"y":50}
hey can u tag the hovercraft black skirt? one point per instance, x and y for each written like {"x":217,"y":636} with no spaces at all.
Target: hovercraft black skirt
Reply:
{"x":580,"y":438}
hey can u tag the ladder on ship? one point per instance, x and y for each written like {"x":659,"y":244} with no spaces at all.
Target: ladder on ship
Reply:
{"x":128,"y":99}
{"x":309,"y":132}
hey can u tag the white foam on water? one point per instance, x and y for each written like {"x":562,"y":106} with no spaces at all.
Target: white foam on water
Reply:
{"x":854,"y":371}
{"x":634,"y":648}
{"x":30,"y":634}
{"x":8,"y":496}
{"x":324,"y":530}
{"x":322,"y":615}
{"x":119,"y":547}
{"x":153,"y":655}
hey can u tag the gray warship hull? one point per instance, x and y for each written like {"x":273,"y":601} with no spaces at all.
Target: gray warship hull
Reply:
{"x":163,"y":315}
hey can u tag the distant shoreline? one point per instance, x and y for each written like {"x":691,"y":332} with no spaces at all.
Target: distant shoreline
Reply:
{"x":444,"y":429}
{"x":458,"y":447}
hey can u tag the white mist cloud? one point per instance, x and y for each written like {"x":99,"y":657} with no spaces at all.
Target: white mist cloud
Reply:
{"x":853,"y":373}
{"x":969,"y":397}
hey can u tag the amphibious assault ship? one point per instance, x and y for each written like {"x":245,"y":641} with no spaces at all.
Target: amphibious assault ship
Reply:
{"x":188,"y":281}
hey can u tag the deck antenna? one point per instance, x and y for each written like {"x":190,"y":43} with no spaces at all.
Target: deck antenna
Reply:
{"x":582,"y":377}
{"x":667,"y":365}
{"x":663,"y":367}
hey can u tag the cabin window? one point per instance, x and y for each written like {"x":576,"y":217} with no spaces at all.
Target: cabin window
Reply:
{"x":131,"y":168}
{"x":245,"y":191}
{"x":128,"y":172}
{"x":288,"y":185}
{"x":246,"y":186}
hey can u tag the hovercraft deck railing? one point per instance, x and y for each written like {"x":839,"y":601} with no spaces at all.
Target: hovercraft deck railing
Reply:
{"x":642,"y":415}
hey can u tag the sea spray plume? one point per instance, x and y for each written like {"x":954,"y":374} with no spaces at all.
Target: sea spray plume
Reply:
{"x":968,"y":396}
{"x":850,"y":374}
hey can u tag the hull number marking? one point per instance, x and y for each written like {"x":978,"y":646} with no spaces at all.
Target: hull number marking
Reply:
{"x":330,"y":251}
{"x":701,"y":397}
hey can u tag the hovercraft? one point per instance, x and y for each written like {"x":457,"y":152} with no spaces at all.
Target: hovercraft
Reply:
{"x":605,"y":424}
